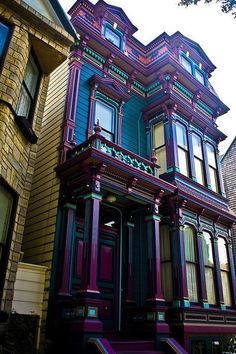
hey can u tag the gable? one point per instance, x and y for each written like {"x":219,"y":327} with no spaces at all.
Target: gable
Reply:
{"x":45,"y":9}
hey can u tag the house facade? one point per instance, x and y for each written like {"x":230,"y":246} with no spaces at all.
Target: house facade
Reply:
{"x":35,"y":38}
{"x":127,"y":207}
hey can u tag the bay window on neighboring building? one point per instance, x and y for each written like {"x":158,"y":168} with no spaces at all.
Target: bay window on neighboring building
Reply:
{"x":159,"y":146}
{"x":166,"y":264}
{"x":191,"y":262}
{"x":209,"y":266}
{"x":212,"y":167}
{"x":198,"y":158}
{"x":224,"y":271}
{"x":182,"y":144}
{"x":105,"y":114}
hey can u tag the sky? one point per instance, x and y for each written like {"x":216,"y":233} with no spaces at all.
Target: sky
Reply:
{"x":206,"y":25}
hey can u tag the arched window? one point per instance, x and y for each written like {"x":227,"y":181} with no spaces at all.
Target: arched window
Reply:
{"x":166,"y":265}
{"x":209,"y":266}
{"x":182,"y":148}
{"x":224,"y":271}
{"x":191,"y":262}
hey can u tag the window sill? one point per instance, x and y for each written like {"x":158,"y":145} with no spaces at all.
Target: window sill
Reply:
{"x":26,"y":129}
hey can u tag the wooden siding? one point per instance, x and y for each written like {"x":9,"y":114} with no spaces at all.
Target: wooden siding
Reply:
{"x":41,"y":217}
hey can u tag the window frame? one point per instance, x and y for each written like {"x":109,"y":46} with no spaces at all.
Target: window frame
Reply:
{"x":6,"y":247}
{"x":225,"y":271}
{"x":212,"y":168}
{"x":166,"y":261}
{"x":117,"y":33}
{"x":113,"y":132}
{"x":183,"y":149}
{"x":212,"y":267}
{"x":194,"y":68}
{"x":6,"y":43}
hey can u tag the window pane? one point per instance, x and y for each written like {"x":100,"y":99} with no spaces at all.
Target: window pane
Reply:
{"x":210,"y":285}
{"x":211,"y":155}
{"x":199,"y":170}
{"x":112,"y":37}
{"x":166,"y":278}
{"x":186,"y":64}
{"x":105,"y":115}
{"x":207,"y":249}
{"x":226,"y":288}
{"x":183,"y":161}
{"x":165,"y":243}
{"x":181,"y":136}
{"x":4,"y":32}
{"x":189,"y":242}
{"x":161,"y":159}
{"x":199,"y":76}
{"x":158,"y":135}
{"x":192,"y":282}
{"x":6,"y":202}
{"x":197,"y":146}
{"x":31,"y":76}
{"x":213,"y":179}
{"x":24,"y":103}
{"x":223,"y":256}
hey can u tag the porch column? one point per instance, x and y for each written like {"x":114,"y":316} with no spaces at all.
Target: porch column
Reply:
{"x":69,"y":219}
{"x":90,"y":250}
{"x":219,"y":289}
{"x":202,"y":279}
{"x":129,"y":262}
{"x":232,"y":273}
{"x":180,"y":289}
{"x":154,"y":258}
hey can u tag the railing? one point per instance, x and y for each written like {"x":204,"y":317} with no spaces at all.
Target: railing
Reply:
{"x":109,"y":148}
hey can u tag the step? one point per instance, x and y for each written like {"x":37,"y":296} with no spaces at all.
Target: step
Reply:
{"x":139,"y":352}
{"x":132,"y":346}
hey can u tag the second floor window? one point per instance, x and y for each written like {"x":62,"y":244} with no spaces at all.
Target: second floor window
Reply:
{"x":182,"y":144}
{"x":212,"y":167}
{"x":198,"y":158}
{"x":159,"y":146}
{"x":29,"y":88}
{"x":105,"y":114}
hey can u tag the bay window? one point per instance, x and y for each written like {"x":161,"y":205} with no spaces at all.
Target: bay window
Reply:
{"x":209,"y":267}
{"x":105,"y":115}
{"x":159,"y":146}
{"x":224,"y":271}
{"x":191,"y":262}
{"x":212,"y":167}
{"x":186,"y":64}
{"x":199,"y":76}
{"x":166,"y":265}
{"x":182,"y":148}
{"x":198,"y":158}
{"x":4,"y":36}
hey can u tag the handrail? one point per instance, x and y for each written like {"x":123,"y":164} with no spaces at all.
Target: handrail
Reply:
{"x":173,"y":346}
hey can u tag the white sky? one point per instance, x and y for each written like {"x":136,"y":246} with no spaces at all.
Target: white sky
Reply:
{"x":206,"y":25}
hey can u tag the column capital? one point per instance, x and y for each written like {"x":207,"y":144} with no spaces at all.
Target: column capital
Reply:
{"x":92,"y":195}
{"x":155,"y":217}
{"x":130,"y":224}
{"x":69,"y":205}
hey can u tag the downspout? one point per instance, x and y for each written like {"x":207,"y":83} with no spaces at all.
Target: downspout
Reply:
{"x":139,"y":119}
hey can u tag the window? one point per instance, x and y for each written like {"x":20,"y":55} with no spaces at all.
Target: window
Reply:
{"x":113,"y":37}
{"x":191,"y":262}
{"x":224,"y":271}
{"x":198,"y":158}
{"x":212,"y":167}
{"x":28,"y":91}
{"x":166,"y":265}
{"x":6,"y":212}
{"x":186,"y":64}
{"x":199,"y":76}
{"x":159,"y":146}
{"x":105,"y":114}
{"x":182,"y":148}
{"x":209,"y":267}
{"x":4,"y":35}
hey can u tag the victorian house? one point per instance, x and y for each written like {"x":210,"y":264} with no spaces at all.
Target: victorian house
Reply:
{"x":35,"y":38}
{"x":127,"y":208}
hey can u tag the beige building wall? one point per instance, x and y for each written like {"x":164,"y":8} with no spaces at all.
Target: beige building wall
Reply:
{"x":40,"y":225}
{"x":17,"y":155}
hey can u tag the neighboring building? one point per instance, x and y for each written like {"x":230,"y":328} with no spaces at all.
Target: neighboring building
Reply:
{"x":35,"y":38}
{"x":132,"y":253}
{"x":228,"y":163}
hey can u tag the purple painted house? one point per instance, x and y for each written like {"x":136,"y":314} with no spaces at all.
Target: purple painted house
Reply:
{"x":142,"y":256}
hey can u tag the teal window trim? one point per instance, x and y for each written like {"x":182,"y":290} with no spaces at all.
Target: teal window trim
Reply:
{"x":100,"y":97}
{"x":116,"y":33}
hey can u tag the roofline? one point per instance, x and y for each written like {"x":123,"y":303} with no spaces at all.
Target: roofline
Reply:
{"x":228,"y":149}
{"x":64,"y":18}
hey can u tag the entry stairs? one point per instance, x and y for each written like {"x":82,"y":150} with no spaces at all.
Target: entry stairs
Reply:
{"x":103,"y":346}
